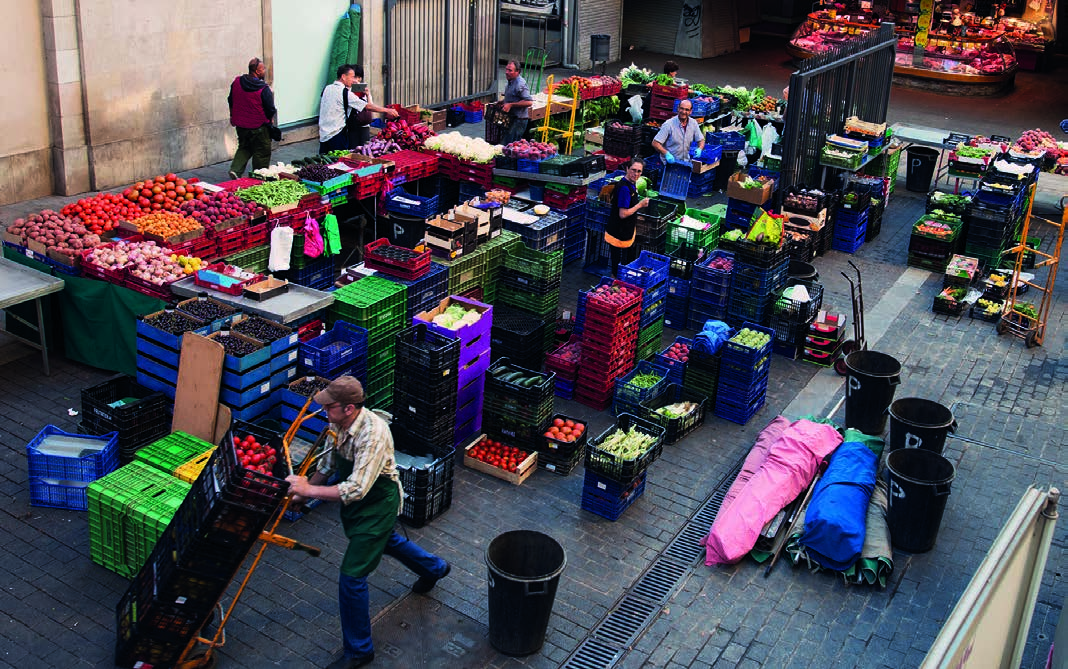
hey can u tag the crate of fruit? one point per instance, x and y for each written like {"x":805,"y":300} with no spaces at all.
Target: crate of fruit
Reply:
{"x":677,"y":409}
{"x":625,"y":450}
{"x":398,"y":261}
{"x":750,"y":344}
{"x":565,"y":359}
{"x":935,"y":228}
{"x":564,"y":436}
{"x":987,"y":310}
{"x":501,"y":460}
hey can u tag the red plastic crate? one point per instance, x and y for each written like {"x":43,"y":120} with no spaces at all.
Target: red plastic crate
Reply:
{"x":234,"y":289}
{"x":674,"y":92}
{"x":90,"y":269}
{"x":235,"y":184}
{"x":601,"y":306}
{"x":256,"y":235}
{"x":152,"y":290}
{"x":404,"y":269}
{"x":555,"y":362}
{"x":369,"y":186}
{"x":558,"y":200}
{"x":592,"y":399}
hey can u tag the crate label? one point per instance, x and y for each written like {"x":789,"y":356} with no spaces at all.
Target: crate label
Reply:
{"x":29,"y":253}
{"x":522,"y":280}
{"x":180,"y":601}
{"x":467,"y":276}
{"x":308,"y":362}
{"x":265,"y":388}
{"x":446,"y":372}
{"x":412,"y":409}
{"x":602,"y":486}
{"x":550,"y":466}
{"x":292,"y":356}
{"x":552,"y":446}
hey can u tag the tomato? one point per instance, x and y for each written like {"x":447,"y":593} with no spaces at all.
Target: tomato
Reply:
{"x":558,"y":422}
{"x":569,"y":423}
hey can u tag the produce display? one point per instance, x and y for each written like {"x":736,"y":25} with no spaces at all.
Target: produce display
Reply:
{"x":455,"y":317}
{"x":235,"y":346}
{"x":207,"y":310}
{"x":145,"y":259}
{"x":989,"y":307}
{"x":261,"y":329}
{"x":272,"y":172}
{"x":597,"y":110}
{"x":753,"y":339}
{"x":55,"y":231}
{"x":396,"y":136}
{"x":498,"y":454}
{"x":747,"y":99}
{"x":218,"y":207}
{"x":566,"y":430}
{"x":803,"y":200}
{"x":474,"y":149}
{"x":950,"y":201}
{"x":159,"y":269}
{"x":953,"y":293}
{"x":274,"y":193}
{"x":170,"y":321}
{"x":507,"y":374}
{"x":499,"y":196}
{"x":1031,"y":140}
{"x":616,"y":295}
{"x":678,"y":409}
{"x":318,"y":173}
{"x":254,"y":455}
{"x":997,"y":280}
{"x":317,"y":159}
{"x":165,"y":192}
{"x":309,"y":385}
{"x":529,"y":150}
{"x":634,"y":75}
{"x":165,"y":224}
{"x":627,"y":444}
{"x":1026,"y":309}
{"x":189,"y":264}
{"x":934,"y":228}
{"x":378,"y":146}
{"x":102,"y":212}
{"x":645,"y":380}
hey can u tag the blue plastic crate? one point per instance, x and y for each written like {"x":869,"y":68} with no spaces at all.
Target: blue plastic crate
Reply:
{"x":315,"y":274}
{"x":757,"y":171}
{"x":700,"y":189}
{"x":738,"y":413}
{"x":597,"y":215}
{"x":65,"y":463}
{"x":712,"y":153}
{"x":430,"y":288}
{"x":675,"y":181}
{"x":701,"y":107}
{"x":526,"y":165}
{"x":653,"y":313}
{"x":607,"y":498}
{"x":676,"y":317}
{"x":846,"y":246}
{"x":628,"y":395}
{"x":746,"y":381}
{"x":537,"y":190}
{"x":564,"y":389}
{"x":706,"y":277}
{"x":736,"y":353}
{"x":654,"y":294}
{"x":677,"y":368}
{"x":678,"y":287}
{"x":759,"y":281}
{"x":715,"y":297}
{"x":730,"y":141}
{"x":649,"y":270}
{"x":423,"y":207}
{"x":472,"y":116}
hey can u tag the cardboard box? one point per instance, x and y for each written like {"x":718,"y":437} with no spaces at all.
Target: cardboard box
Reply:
{"x":522,"y":471}
{"x":701,"y":168}
{"x":445,"y":238}
{"x":11,"y":238}
{"x":595,"y":136}
{"x":757,"y":196}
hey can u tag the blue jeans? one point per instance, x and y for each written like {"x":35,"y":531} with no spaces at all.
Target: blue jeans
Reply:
{"x":515,"y":131}
{"x":355,"y":603}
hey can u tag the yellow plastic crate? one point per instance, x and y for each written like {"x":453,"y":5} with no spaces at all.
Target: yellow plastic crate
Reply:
{"x":190,"y":470}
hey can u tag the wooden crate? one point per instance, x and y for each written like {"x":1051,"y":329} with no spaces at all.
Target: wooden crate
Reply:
{"x":522,"y":472}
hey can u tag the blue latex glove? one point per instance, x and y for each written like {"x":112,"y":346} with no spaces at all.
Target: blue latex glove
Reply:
{"x":1064,"y":125}
{"x":669,"y":158}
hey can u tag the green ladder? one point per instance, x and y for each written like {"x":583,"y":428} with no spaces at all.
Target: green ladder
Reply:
{"x":534,"y":60}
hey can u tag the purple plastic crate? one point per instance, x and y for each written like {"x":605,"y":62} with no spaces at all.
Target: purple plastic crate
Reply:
{"x":474,"y":338}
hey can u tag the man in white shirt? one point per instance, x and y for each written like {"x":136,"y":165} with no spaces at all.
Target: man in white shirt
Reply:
{"x":677,"y":134}
{"x":337,"y":105}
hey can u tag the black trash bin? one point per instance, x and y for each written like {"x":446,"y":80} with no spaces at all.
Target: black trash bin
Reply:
{"x":599,"y":48}
{"x":919,"y":489}
{"x":803,"y":271}
{"x":871,"y":382}
{"x":919,"y":423}
{"x":524,"y":570}
{"x":921,"y":168}
{"x":406,"y":231}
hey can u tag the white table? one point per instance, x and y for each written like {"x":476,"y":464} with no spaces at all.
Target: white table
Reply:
{"x":19,"y":284}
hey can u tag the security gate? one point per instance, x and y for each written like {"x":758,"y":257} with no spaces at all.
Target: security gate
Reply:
{"x":853,"y":80}
{"x":440,"y":51}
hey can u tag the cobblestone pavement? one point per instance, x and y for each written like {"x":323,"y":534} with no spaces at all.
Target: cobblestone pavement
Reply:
{"x":58,"y":606}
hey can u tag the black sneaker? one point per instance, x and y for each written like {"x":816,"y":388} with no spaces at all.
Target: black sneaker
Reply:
{"x":426,"y":583}
{"x":351,"y":662}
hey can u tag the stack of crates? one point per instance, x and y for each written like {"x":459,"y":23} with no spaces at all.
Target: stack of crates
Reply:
{"x":676,"y":367}
{"x":739,"y":215}
{"x":168,"y":454}
{"x":652,"y":225}
{"x":612,"y":484}
{"x":758,"y":275}
{"x":851,"y":220}
{"x":519,"y":404}
{"x":990,"y":230}
{"x":497,"y":249}
{"x":650,"y":273}
{"x":575,"y":230}
{"x":702,"y":183}
{"x":792,"y":316}
{"x":159,"y":345}
{"x":637,"y":386}
{"x":317,"y":273}
{"x":197,"y":553}
{"x":623,"y":140}
{"x":520,"y":336}
{"x":425,"y":292}
{"x":564,"y":362}
{"x":664,"y":100}
{"x":701,"y":374}
{"x":710,"y":289}
{"x":379,"y":306}
{"x":546,"y":234}
{"x":530,"y":281}
{"x":425,"y":392}
{"x":467,"y":272}
{"x":60,"y":465}
{"x":558,"y":455}
{"x":291,"y":400}
{"x":341,"y":351}
{"x":128,"y":511}
{"x":677,"y":302}
{"x":122,"y":405}
{"x":609,"y":340}
{"x":742,"y":386}
{"x":474,"y":360}
{"x":824,"y":339}
{"x":282,"y":343}
{"x":935,"y":239}
{"x":426,"y":473}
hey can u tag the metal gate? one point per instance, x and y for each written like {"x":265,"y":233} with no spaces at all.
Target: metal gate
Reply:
{"x":440,"y":51}
{"x":854,"y":80}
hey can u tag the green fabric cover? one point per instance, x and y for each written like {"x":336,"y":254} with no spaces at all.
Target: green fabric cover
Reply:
{"x":331,"y":236}
{"x":345,"y":48}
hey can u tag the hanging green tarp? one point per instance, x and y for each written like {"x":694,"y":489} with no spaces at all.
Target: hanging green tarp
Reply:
{"x":346,"y":46}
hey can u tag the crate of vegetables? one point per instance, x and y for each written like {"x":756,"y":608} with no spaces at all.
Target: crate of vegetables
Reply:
{"x":625,"y":450}
{"x":950,"y":301}
{"x":646,"y":380}
{"x":398,"y":261}
{"x":934,"y":228}
{"x":677,"y":409}
{"x":564,"y":436}
{"x":501,"y":460}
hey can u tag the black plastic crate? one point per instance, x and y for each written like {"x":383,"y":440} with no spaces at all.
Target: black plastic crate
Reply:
{"x":612,"y":466}
{"x":796,"y":310}
{"x":675,"y":428}
{"x":497,"y":380}
{"x":420,"y":347}
{"x":100,"y":403}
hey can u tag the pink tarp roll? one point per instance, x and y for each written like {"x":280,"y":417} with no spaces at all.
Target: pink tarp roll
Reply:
{"x":782,"y":462}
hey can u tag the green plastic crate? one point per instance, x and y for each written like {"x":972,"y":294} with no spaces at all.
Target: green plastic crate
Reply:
{"x":651,"y":332}
{"x":704,"y":239}
{"x":535,"y":264}
{"x":542,"y":306}
{"x":469,"y":269}
{"x":372,"y":303}
{"x":254,"y":259}
{"x":647,"y":350}
{"x":126,"y":515}
{"x":700,"y":381}
{"x":171,"y":452}
{"x":381,"y":356}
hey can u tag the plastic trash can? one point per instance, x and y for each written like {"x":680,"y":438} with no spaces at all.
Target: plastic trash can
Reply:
{"x":804,"y":271}
{"x":406,"y":231}
{"x":871,"y":382}
{"x":920,"y":169}
{"x":920,"y":482}
{"x":919,"y":423}
{"x":600,"y":51}
{"x":524,"y":571}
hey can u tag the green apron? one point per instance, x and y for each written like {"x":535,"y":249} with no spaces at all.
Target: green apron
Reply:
{"x":368,"y":523}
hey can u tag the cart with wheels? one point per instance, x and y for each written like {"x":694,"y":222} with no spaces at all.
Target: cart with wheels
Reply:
{"x":857,"y":343}
{"x":1029,"y":321}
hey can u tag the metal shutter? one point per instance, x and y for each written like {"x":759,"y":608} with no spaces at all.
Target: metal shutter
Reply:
{"x":651,"y":26}
{"x":597,"y":17}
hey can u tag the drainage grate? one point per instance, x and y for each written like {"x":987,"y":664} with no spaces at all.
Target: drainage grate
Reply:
{"x":610,"y":640}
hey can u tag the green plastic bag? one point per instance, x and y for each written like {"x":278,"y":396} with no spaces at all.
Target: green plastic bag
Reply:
{"x":752,"y":134}
{"x":332,"y":238}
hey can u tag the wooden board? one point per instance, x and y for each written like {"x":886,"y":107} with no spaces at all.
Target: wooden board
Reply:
{"x":222,"y":423}
{"x":196,"y":398}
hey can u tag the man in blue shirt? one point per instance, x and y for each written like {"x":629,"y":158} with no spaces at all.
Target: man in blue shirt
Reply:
{"x":678,"y":134}
{"x":517,"y":102}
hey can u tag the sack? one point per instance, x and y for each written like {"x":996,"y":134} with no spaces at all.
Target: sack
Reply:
{"x":358,"y":119}
{"x":281,"y":248}
{"x":313,"y":240}
{"x":275,"y":133}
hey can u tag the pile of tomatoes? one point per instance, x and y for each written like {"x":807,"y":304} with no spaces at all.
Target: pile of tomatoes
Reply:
{"x":497,"y":454}
{"x":254,"y":455}
{"x":165,"y":192}
{"x":102,"y":212}
{"x":566,"y":430}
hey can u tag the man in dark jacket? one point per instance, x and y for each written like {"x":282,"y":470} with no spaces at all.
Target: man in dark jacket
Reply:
{"x":251,"y":110}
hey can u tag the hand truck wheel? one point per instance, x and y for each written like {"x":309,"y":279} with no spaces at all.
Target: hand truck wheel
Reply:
{"x":840,"y":364}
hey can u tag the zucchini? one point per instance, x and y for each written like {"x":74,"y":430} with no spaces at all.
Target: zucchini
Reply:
{"x":512,"y":377}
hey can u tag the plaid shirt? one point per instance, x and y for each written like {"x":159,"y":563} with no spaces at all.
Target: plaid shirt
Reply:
{"x":369,"y":444}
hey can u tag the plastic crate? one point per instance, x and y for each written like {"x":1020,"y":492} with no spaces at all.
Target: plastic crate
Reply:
{"x":400,"y":201}
{"x":616,"y":468}
{"x":342,"y":345}
{"x":372,"y":303}
{"x":532,"y":393}
{"x":738,"y":413}
{"x":171,"y":452}
{"x":57,"y":461}
{"x":377,"y":256}
{"x":742,"y":355}
{"x":628,"y":395}
{"x":675,"y":428}
{"x":650,"y":269}
{"x":801,"y":311}
{"x":675,"y":180}
{"x":730,"y":141}
{"x":610,"y":502}
{"x":107,"y":407}
{"x":753,"y":253}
